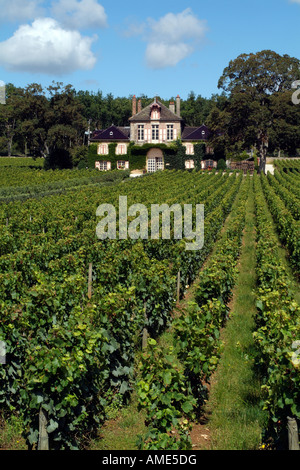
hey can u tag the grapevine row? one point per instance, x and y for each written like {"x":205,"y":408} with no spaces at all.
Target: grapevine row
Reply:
{"x":66,"y":351}
{"x":171,"y":388}
{"x":277,"y":324}
{"x":288,"y":228}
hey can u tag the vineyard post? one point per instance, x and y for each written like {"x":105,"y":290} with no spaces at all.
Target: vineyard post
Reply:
{"x":178,"y":286}
{"x":43,"y":443}
{"x":90,"y":280}
{"x":145,"y":331}
{"x":293,"y":434}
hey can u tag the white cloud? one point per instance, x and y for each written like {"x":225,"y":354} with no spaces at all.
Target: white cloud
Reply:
{"x":20,"y":10}
{"x":170,"y":39}
{"x":160,"y":55}
{"x":173,"y":29}
{"x":45,"y":47}
{"x":80,"y":14}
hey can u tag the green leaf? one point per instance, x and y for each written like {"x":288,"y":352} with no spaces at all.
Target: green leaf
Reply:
{"x":167,"y":377}
{"x":52,"y":426}
{"x":124,"y":387}
{"x":187,"y":407}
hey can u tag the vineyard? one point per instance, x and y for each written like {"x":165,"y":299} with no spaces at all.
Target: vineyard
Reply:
{"x":76,"y":311}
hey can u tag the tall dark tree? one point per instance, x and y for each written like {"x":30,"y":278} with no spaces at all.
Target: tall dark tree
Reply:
{"x":33,"y":111}
{"x":250,"y":81}
{"x":10,"y":116}
{"x":66,"y":124}
{"x":195,"y":109}
{"x":285,"y":131}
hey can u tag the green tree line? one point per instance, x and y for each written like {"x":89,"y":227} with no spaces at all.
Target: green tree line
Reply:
{"x":254,"y":109}
{"x":35,"y":121}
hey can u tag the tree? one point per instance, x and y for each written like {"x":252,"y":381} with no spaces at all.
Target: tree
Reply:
{"x":250,"y":81}
{"x":66,"y":125}
{"x":10,"y":116}
{"x":195,"y":110}
{"x":33,"y":111}
{"x":285,"y":132}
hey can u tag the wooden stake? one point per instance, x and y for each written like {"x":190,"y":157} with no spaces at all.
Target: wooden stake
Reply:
{"x":293,"y":434}
{"x":145,"y":331}
{"x":43,"y":443}
{"x":178,"y":286}
{"x":90,"y":280}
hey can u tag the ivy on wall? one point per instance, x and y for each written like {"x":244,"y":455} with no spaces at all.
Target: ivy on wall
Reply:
{"x":174,"y":155}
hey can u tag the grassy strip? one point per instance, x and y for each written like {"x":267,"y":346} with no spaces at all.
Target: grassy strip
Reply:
{"x":121,"y":430}
{"x":236,"y":419}
{"x":11,"y":433}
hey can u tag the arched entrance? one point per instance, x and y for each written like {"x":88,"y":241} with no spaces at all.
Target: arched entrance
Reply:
{"x":154,"y":160}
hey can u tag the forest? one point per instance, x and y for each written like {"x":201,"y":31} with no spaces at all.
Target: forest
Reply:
{"x":35,"y":119}
{"x":254,"y":109}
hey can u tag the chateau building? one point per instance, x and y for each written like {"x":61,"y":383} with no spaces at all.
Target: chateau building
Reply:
{"x":154,"y":124}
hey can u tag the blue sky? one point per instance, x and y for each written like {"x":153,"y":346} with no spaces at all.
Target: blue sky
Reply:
{"x":136,"y":47}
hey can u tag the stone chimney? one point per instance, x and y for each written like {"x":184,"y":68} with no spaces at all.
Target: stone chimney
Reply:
{"x":139,"y":106}
{"x":134,"y":105}
{"x":178,"y":105}
{"x":172,"y":107}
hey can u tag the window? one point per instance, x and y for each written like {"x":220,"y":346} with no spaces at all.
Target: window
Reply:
{"x":122,"y":164}
{"x":170,"y":132}
{"x":140,"y":132}
{"x":103,"y":149}
{"x":155,"y":132}
{"x":159,"y":163}
{"x":155,"y":114}
{"x":121,"y":149}
{"x":151,"y":167}
{"x":189,"y":164}
{"x":189,"y":149}
{"x":207,"y":164}
{"x":103,"y":166}
{"x":155,"y":164}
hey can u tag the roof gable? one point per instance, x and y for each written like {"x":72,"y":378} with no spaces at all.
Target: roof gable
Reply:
{"x":112,"y":133}
{"x":165,"y":114}
{"x":196,"y":133}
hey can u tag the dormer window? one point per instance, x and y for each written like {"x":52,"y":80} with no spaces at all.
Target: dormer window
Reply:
{"x":155,"y":111}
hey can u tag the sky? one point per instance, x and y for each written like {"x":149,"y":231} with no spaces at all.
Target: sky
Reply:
{"x":161,"y":47}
